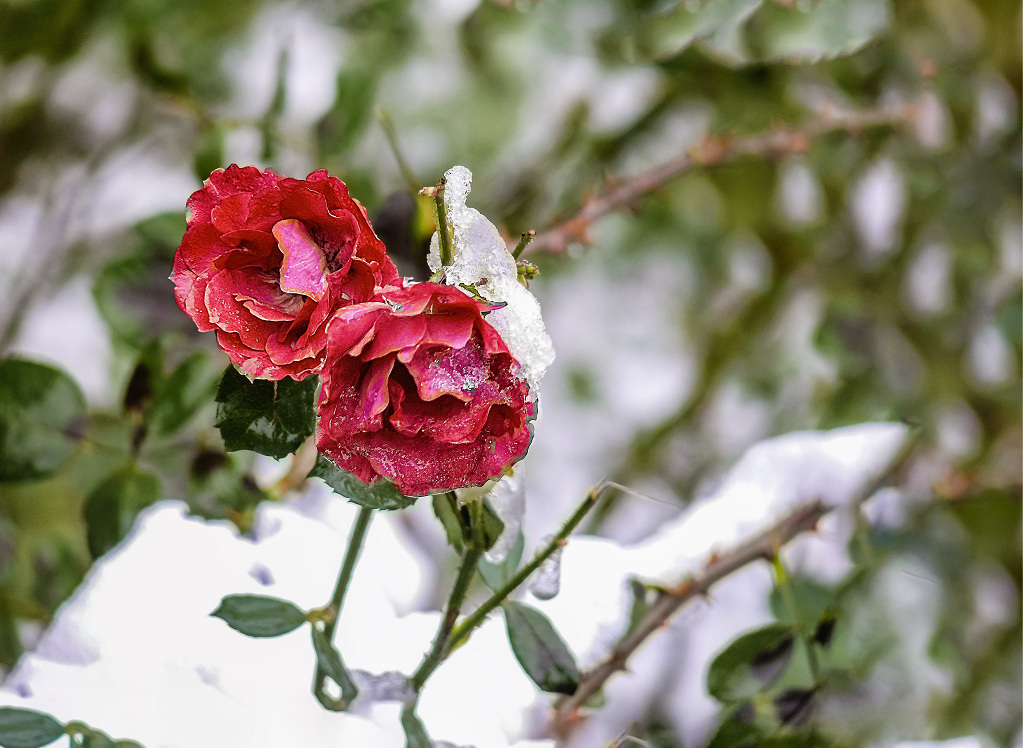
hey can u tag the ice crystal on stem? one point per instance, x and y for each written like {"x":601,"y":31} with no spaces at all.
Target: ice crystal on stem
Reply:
{"x":508,"y":500}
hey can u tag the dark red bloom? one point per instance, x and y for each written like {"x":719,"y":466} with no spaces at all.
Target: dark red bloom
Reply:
{"x":418,"y":388}
{"x":267,"y":261}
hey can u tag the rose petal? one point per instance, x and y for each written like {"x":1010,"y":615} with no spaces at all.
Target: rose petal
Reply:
{"x":393,"y":334}
{"x":442,"y":371}
{"x":374,"y":397}
{"x":304,"y":269}
{"x":230,"y":315}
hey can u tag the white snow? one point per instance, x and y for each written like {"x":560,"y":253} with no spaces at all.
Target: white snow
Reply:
{"x":480,"y":258}
{"x":878,"y":204}
{"x":136,"y":653}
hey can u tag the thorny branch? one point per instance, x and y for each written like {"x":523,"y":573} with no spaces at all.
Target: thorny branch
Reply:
{"x":710,"y":152}
{"x":762,"y":546}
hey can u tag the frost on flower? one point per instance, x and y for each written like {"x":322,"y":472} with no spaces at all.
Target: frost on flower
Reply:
{"x":480,"y":258}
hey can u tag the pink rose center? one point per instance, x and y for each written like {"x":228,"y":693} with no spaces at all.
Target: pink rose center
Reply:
{"x":304,"y":270}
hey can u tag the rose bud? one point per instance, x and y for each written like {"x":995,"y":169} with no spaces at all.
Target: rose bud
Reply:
{"x":267,"y":261}
{"x":420,"y":389}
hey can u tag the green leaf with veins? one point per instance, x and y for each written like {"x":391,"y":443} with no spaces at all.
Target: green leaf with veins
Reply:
{"x":542,"y":653}
{"x":272,"y":418}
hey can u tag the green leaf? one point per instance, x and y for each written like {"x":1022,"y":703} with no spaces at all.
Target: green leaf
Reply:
{"x":816,"y":31}
{"x":111,"y":508}
{"x":185,"y":391}
{"x":751,"y":663}
{"x":415,"y":732}
{"x":715,"y":21}
{"x":163,"y":229}
{"x":736,"y":734}
{"x":272,"y":418}
{"x":445,"y":507}
{"x":255,"y":615}
{"x":492,"y":526}
{"x":378,"y":495}
{"x":330,"y":662}
{"x":813,"y":601}
{"x":640,"y":606}
{"x":750,"y":31}
{"x":25,"y":728}
{"x":42,"y":416}
{"x":496,"y":576}
{"x":342,"y":126}
{"x":540,"y":650}
{"x":209,"y":154}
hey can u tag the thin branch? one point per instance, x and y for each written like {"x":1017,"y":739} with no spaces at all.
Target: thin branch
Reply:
{"x":391,"y":132}
{"x":762,"y":546}
{"x":710,"y":152}
{"x":450,"y":636}
{"x":465,"y":628}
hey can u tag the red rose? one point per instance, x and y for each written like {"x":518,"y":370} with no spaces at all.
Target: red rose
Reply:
{"x":267,"y":261}
{"x":418,"y":388}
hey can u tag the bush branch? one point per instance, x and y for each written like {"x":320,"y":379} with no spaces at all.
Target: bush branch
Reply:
{"x":762,"y":546}
{"x":710,"y":151}
{"x":466,"y":627}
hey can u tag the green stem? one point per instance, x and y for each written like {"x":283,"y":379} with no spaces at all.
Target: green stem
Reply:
{"x":470,"y":560}
{"x":343,"y":579}
{"x":387,"y":124}
{"x":465,"y":628}
{"x":442,"y":224}
{"x":784,"y":585}
{"x":523,"y":243}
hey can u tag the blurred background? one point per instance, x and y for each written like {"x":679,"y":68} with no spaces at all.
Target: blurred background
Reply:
{"x":841,"y":244}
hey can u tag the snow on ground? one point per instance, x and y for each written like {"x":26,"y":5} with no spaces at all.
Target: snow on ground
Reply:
{"x":135,"y":652}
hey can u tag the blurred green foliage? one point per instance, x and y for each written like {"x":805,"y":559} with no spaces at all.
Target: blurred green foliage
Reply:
{"x":487,"y":88}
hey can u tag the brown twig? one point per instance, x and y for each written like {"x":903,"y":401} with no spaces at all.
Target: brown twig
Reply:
{"x":762,"y":546}
{"x":709,"y":152}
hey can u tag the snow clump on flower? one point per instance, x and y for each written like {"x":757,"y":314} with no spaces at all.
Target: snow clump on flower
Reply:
{"x":480,"y":258}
